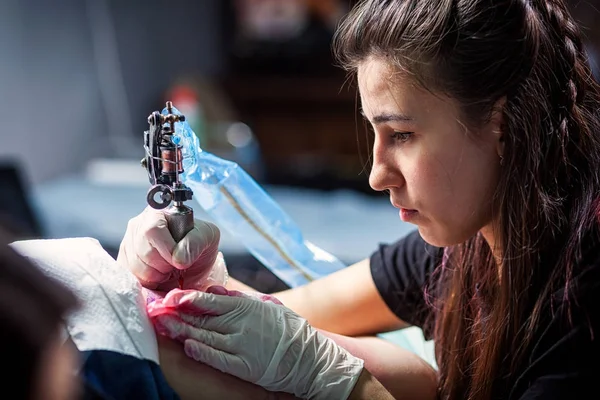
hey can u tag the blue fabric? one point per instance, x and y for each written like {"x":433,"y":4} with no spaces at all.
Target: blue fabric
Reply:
{"x":117,"y":376}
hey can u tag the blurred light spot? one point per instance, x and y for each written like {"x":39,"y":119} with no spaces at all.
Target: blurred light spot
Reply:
{"x":239,"y":134}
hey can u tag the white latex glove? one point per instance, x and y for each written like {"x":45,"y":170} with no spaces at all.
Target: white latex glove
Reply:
{"x":149,"y":251}
{"x":260,"y":342}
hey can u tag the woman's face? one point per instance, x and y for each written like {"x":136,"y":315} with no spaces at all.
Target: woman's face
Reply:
{"x":441,"y":177}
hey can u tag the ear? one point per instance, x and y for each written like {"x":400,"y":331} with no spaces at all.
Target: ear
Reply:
{"x":497,"y":121}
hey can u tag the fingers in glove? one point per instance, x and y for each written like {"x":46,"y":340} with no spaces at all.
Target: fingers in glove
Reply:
{"x":171,"y":326}
{"x":217,"y":359}
{"x":222,"y":291}
{"x":180,"y":330}
{"x":265,"y":298}
{"x":148,"y":276}
{"x":199,"y":247}
{"x":216,"y":289}
{"x":220,"y":324}
{"x":156,"y":231}
{"x":207,"y":303}
{"x":153,"y":259}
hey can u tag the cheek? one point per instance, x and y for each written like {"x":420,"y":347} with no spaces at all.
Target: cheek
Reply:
{"x":473,"y":187}
{"x":451,"y":187}
{"x":480,"y":172}
{"x":427,"y":179}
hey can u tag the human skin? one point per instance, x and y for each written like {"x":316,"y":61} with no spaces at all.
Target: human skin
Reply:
{"x":349,"y":317}
{"x":55,"y":377}
{"x":194,"y":380}
{"x":440,"y":175}
{"x":403,"y":374}
{"x":427,"y":159}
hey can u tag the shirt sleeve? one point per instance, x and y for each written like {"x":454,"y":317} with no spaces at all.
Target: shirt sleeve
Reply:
{"x":401,"y":272}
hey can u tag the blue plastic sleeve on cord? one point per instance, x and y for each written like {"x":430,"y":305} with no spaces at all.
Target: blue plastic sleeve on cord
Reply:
{"x":239,"y":205}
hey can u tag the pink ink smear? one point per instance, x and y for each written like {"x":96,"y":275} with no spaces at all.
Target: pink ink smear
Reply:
{"x":175,"y":303}
{"x":172,"y":304}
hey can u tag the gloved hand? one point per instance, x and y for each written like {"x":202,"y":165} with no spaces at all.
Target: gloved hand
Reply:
{"x":260,"y":342}
{"x":149,"y":251}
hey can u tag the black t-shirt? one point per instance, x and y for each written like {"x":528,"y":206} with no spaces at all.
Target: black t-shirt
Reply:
{"x":563,"y":361}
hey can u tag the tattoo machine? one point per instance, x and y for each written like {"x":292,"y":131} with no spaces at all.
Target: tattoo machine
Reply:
{"x":164,"y":163}
{"x":177,"y":165}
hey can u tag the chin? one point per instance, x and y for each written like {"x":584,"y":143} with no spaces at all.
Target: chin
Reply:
{"x":440,"y":237}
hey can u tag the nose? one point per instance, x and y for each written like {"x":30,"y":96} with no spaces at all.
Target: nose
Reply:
{"x":385,"y":173}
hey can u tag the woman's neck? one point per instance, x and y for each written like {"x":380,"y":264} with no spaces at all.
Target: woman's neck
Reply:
{"x":492,"y":236}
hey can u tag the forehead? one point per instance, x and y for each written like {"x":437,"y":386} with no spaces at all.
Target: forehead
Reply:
{"x":383,"y":89}
{"x":376,"y":77}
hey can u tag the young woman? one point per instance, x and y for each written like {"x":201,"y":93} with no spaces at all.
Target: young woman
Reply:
{"x":486,"y":137}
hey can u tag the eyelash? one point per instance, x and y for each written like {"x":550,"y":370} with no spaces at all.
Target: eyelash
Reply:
{"x":401,"y":136}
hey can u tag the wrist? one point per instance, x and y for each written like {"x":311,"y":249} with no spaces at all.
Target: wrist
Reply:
{"x":368,"y":387}
{"x":337,"y":373}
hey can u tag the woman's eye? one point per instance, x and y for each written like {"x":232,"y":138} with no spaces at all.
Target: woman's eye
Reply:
{"x":401,"y":136}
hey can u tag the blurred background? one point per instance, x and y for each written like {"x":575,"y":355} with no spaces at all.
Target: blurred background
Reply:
{"x":78,"y":79}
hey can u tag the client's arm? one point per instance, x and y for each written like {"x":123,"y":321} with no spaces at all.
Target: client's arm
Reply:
{"x":330,"y":306}
{"x":404,"y":374}
{"x":194,"y":380}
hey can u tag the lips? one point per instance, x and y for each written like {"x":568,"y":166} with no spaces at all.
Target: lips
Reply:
{"x":408,"y":215}
{"x":400,"y":207}
{"x":404,"y":209}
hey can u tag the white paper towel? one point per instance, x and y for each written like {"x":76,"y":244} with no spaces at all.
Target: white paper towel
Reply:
{"x":112,"y":315}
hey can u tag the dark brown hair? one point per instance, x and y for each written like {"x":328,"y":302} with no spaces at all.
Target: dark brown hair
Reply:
{"x":479,"y":52}
{"x":32,"y":306}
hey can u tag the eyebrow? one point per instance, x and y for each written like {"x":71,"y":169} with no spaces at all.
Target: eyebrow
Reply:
{"x":388,"y":117}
